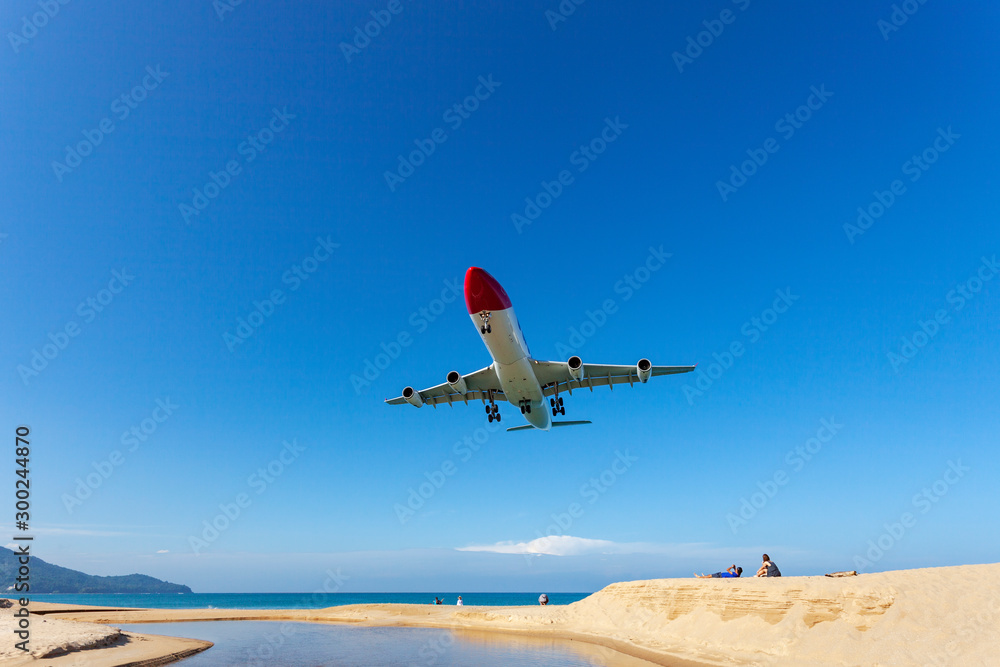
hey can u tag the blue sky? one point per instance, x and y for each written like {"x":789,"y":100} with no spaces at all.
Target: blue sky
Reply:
{"x":181,"y":170}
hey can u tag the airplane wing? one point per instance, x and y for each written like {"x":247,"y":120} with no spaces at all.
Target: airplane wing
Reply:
{"x":477,"y":385}
{"x":555,"y":375}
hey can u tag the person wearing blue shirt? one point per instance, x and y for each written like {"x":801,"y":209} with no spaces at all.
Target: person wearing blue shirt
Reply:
{"x":731,"y":572}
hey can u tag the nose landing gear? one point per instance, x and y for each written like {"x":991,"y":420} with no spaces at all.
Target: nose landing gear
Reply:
{"x":485,"y":327}
{"x":525,"y":407}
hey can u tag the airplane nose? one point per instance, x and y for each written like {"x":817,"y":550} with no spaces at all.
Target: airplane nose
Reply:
{"x":483,"y":292}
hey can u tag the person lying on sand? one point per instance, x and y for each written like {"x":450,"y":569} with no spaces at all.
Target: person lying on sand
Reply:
{"x":731,"y":572}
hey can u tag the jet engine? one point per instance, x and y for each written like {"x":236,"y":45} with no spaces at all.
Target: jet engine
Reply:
{"x":575,"y":366}
{"x":457,"y":382}
{"x":644,"y":369}
{"x":412,"y":396}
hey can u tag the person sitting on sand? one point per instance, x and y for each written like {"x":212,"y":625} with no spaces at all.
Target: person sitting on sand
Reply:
{"x":459,"y":603}
{"x":768,"y":569}
{"x":543,"y":599}
{"x":731,"y":572}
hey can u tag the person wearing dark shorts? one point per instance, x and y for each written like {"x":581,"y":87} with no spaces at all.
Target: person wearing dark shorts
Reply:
{"x":732,"y":572}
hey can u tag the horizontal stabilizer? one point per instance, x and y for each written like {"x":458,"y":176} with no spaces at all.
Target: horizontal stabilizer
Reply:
{"x":529,"y":426}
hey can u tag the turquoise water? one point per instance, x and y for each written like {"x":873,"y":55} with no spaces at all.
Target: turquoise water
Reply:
{"x":297,"y":600}
{"x":258,"y":643}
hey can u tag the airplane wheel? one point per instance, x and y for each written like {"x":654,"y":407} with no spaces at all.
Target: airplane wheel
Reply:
{"x":482,"y":330}
{"x":498,"y":416}
{"x":522,"y":409}
{"x":562,"y":411}
{"x":554,"y":412}
{"x":552,"y":402}
{"x":496,"y":408}
{"x":488,"y":410}
{"x":528,"y":408}
{"x":560,"y":402}
{"x":489,"y":329}
{"x":490,"y":416}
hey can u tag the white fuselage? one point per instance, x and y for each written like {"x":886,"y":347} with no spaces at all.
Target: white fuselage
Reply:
{"x":513,"y":365}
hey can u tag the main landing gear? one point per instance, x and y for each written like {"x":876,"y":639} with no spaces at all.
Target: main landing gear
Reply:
{"x":492,"y":411}
{"x":557,"y":406}
{"x":525,"y":407}
{"x":485,"y":327}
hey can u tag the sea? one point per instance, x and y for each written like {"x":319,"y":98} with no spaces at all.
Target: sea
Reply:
{"x":294,"y":600}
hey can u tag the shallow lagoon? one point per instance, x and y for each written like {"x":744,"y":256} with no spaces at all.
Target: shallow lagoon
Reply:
{"x":311,"y":644}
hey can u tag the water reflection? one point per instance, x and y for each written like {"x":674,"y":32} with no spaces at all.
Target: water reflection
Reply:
{"x":311,"y":644}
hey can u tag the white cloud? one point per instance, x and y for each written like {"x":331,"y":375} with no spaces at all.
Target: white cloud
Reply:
{"x":56,"y":529}
{"x":567,"y":545}
{"x":556,"y":545}
{"x":163,"y":551}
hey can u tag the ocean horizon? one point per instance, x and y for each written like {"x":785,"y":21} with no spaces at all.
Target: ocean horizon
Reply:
{"x":317,"y":600}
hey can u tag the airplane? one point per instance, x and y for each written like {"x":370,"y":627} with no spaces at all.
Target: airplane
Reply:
{"x":514,"y":375}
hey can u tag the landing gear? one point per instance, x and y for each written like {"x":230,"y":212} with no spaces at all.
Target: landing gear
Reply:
{"x":485,"y":327}
{"x":492,"y":409}
{"x":525,"y":407}
{"x":557,"y":406}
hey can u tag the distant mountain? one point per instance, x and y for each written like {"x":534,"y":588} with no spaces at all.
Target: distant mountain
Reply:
{"x":49,"y":578}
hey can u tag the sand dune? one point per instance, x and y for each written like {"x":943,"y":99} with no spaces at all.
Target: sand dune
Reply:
{"x":938,"y":616}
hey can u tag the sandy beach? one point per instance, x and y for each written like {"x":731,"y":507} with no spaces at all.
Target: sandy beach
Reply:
{"x":57,"y":641}
{"x":936,"y":616}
